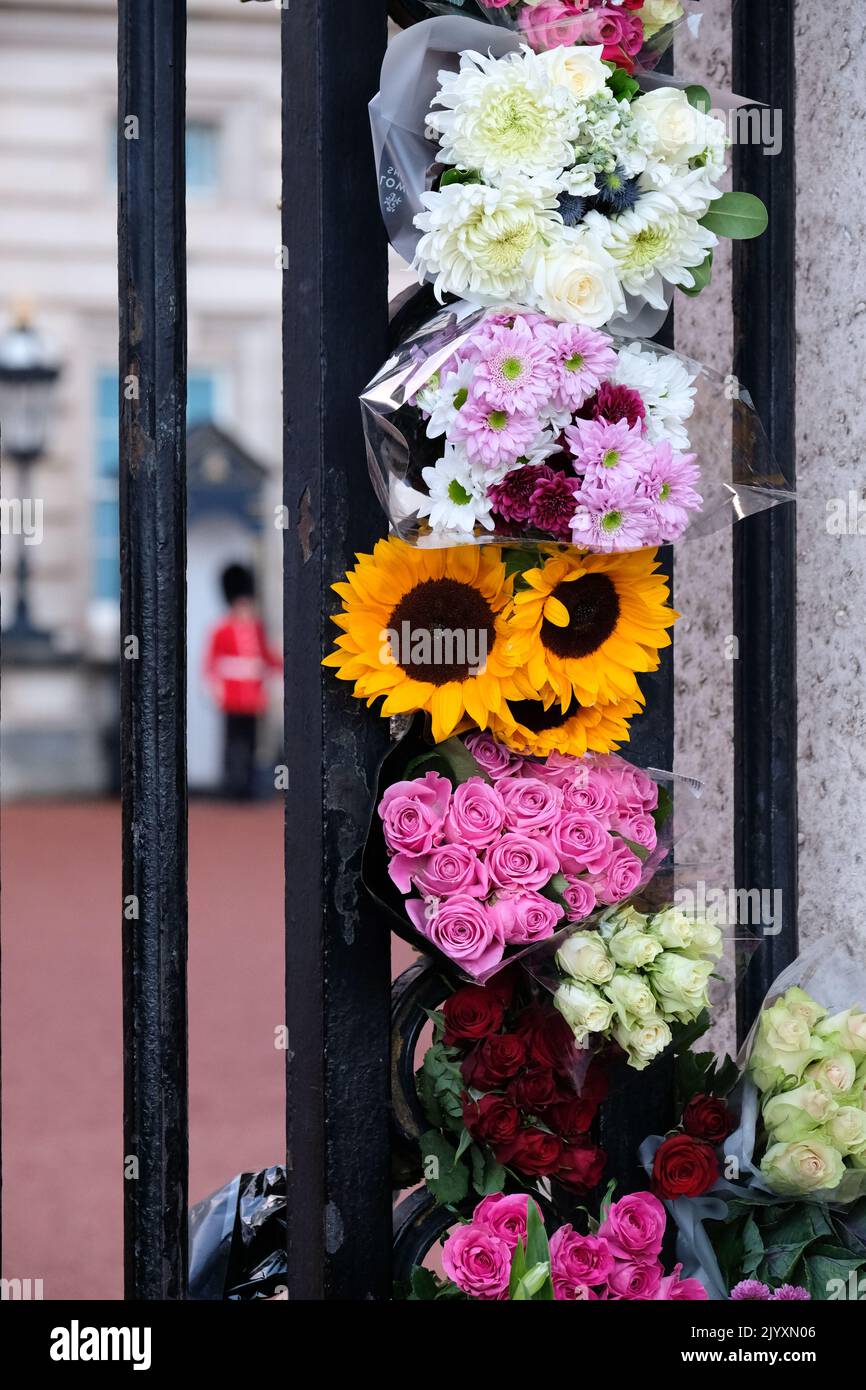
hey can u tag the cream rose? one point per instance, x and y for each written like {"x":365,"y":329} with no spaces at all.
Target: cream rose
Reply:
{"x":655,"y":15}
{"x":794,"y":1114}
{"x":848,"y":1029}
{"x":673,"y":928}
{"x":847,"y":1129}
{"x":680,"y":985}
{"x":670,"y":127}
{"x":584,"y":1009}
{"x":584,"y":956}
{"x":809,"y":1165}
{"x":645,"y":1041}
{"x":835,"y":1074}
{"x":784,"y":1047}
{"x":631,"y":997}
{"x":580,"y":70}
{"x":576,"y":281}
{"x":633,"y":949}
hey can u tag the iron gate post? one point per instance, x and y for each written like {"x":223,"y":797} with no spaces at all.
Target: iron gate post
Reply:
{"x":152,"y":278}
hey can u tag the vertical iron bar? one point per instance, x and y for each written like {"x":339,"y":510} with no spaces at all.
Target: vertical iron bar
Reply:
{"x":337,"y":954}
{"x":152,"y":271}
{"x":765,"y":549}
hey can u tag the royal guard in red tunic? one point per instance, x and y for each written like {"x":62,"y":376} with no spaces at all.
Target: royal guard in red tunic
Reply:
{"x":238,"y":662}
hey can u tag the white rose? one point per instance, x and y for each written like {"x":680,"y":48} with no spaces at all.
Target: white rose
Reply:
{"x":655,"y":14}
{"x":794,"y":1114}
{"x":644,"y":1042}
{"x":847,"y":1129}
{"x":835,"y":1074}
{"x":680,"y":985}
{"x":584,"y":1009}
{"x":806,"y":1166}
{"x":576,"y":281}
{"x":670,"y":127}
{"x":580,"y":70}
{"x":673,"y":928}
{"x":851,"y":1029}
{"x":584,"y":956}
{"x":633,"y":948}
{"x":632,"y":999}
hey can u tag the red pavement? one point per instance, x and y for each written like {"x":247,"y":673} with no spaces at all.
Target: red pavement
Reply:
{"x":62,"y":1046}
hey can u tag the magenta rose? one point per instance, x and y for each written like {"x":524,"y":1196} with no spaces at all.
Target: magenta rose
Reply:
{"x":530,"y":804}
{"x":674,"y":1289}
{"x":582,"y":843}
{"x":526,"y":916}
{"x":576,"y":1260}
{"x":504,"y":1216}
{"x":522,"y":861}
{"x":633,"y":789}
{"x":640,"y":829}
{"x":557,"y":768}
{"x":413,"y":814}
{"x":462,"y":928}
{"x":580,"y":899}
{"x":635,"y":1280}
{"x":621,"y":878}
{"x":554,"y":23}
{"x":478,"y":1262}
{"x":450,"y":869}
{"x":592,"y":795}
{"x":476,"y":815}
{"x":634,"y":1227}
{"x":492,"y":757}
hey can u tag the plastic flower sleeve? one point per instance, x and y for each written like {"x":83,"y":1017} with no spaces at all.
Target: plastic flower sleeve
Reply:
{"x":565,"y":223}
{"x":237,"y":1239}
{"x":506,"y":426}
{"x":804,"y":1080}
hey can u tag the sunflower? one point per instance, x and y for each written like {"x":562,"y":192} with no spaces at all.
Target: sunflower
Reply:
{"x":583,"y":625}
{"x":539,"y":727}
{"x":425,"y":629}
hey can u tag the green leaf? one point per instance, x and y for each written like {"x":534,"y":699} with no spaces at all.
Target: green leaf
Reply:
{"x":518,"y":1268}
{"x":425,"y":1285}
{"x":440,"y":1087}
{"x":460,"y":761}
{"x":449,"y":1182}
{"x":488,"y":1176}
{"x":702,"y":275}
{"x":463,"y":1144}
{"x":537,"y":1247}
{"x":739,"y":216}
{"x":535,"y":1286}
{"x":699,"y":97}
{"x":621,"y":83}
{"x":459,"y":176}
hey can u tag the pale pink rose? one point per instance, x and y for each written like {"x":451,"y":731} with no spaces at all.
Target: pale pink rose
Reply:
{"x":674,"y":1289}
{"x":526,"y":916}
{"x":522,"y":861}
{"x":621,"y":877}
{"x":478,"y":1262}
{"x":555,"y":23}
{"x":557,"y":768}
{"x":463,"y":929}
{"x":492,"y":757}
{"x":582,"y":843}
{"x":476,"y":815}
{"x":504,"y":1216}
{"x":413,"y":814}
{"x":633,"y":789}
{"x":640,"y":829}
{"x":577,"y":1261}
{"x":580,"y":899}
{"x":450,"y":869}
{"x":593,"y":795}
{"x":634,"y":1227}
{"x":635,"y":1280}
{"x":530,"y":804}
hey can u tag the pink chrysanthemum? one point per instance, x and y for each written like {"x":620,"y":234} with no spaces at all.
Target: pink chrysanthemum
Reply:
{"x":512,"y":367}
{"x":750,"y":1290}
{"x":668,"y":484}
{"x":615,"y":403}
{"x":602,"y":450}
{"x":613,"y":517}
{"x":493,"y":437}
{"x":552,"y":505}
{"x":794,"y":1292}
{"x":582,"y":358}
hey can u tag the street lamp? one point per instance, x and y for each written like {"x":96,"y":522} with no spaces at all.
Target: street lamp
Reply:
{"x":28,"y":376}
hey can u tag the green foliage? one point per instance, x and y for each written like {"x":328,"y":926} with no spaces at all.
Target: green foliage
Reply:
{"x":459,"y":176}
{"x":446,"y":1176}
{"x":801,"y":1243}
{"x":702,"y":1074}
{"x":699,"y":97}
{"x":702,"y":274}
{"x":530,"y":1263}
{"x":622,"y":84}
{"x":739,"y":216}
{"x":440,"y":1086}
{"x":450,"y":759}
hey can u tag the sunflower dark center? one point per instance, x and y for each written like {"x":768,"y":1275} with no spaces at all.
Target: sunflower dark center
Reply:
{"x":593,"y":609}
{"x":441,"y":631}
{"x":533,"y":716}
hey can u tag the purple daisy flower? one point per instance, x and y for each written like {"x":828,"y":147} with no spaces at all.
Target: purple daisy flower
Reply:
{"x":613,"y":518}
{"x":552,"y":504}
{"x":512,"y":498}
{"x":512,"y":367}
{"x":602,"y":449}
{"x":493,"y":437}
{"x":668,"y":483}
{"x":583,"y":357}
{"x":793,"y":1292}
{"x":751,"y":1290}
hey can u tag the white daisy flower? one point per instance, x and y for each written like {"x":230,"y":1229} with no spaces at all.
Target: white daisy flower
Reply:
{"x":667,"y":388}
{"x":457,"y":498}
{"x":452,"y":393}
{"x":651,"y":243}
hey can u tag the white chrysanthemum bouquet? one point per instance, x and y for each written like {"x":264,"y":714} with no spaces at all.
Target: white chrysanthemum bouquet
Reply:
{"x":560,"y":185}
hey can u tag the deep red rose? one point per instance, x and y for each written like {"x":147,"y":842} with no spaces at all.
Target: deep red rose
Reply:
{"x":492,"y":1119}
{"x":532,"y":1152}
{"x":569,"y":1118}
{"x":684,"y":1167}
{"x":581,"y":1166}
{"x":549,"y":1040}
{"x":472,"y":1012}
{"x":493,"y":1062}
{"x":535,"y":1088}
{"x":503,"y":985}
{"x":707,"y":1117}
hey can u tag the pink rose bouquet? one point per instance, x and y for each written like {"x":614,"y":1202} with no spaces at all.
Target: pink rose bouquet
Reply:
{"x":503,"y":1253}
{"x":498,"y":852}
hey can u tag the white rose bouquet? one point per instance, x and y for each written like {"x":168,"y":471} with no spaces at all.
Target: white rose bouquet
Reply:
{"x":556,"y":181}
{"x":635,"y":978}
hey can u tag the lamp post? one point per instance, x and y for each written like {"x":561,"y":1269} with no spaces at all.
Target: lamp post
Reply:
{"x":28,"y":376}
